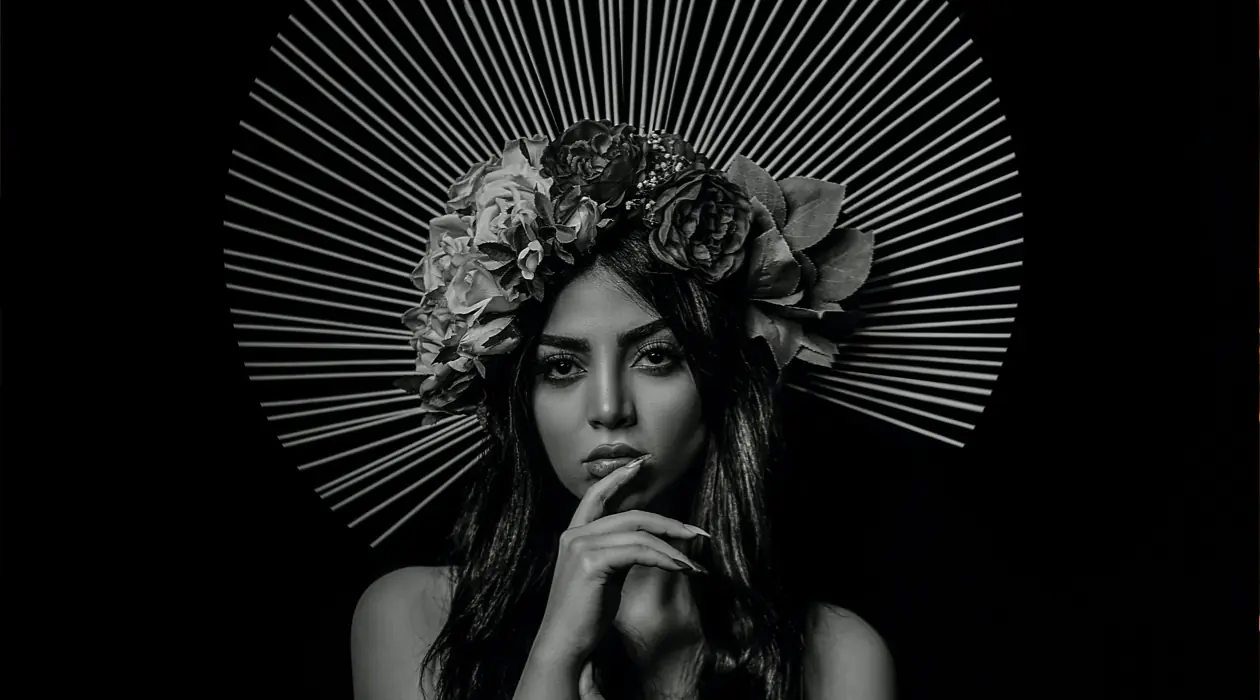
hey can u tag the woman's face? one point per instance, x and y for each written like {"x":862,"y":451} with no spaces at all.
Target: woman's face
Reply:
{"x":610,"y":373}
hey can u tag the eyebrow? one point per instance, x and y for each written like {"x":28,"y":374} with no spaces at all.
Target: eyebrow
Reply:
{"x":624,"y":338}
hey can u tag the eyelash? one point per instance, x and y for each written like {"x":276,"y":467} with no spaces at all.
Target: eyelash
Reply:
{"x":672,"y":355}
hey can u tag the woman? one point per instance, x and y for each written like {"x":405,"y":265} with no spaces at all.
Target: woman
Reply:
{"x":615,"y":543}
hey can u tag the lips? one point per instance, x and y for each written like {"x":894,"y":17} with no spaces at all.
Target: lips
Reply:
{"x":606,"y":459}
{"x":612,"y":452}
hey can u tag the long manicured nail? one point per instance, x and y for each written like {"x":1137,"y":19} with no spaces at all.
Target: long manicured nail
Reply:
{"x":635,"y":463}
{"x":690,"y":565}
{"x":698,"y":531}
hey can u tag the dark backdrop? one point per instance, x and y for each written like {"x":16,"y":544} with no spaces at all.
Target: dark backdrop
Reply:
{"x":1065,"y":552}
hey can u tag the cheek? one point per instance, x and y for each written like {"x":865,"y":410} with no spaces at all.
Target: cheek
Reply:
{"x":558,"y":418}
{"x":672,"y":416}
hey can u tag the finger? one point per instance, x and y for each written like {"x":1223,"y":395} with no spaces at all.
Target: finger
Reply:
{"x":646,"y":521}
{"x":600,"y":563}
{"x":592,"y":504}
{"x":635,"y":537}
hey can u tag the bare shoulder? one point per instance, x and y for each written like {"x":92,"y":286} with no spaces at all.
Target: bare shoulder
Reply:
{"x":396,"y":620}
{"x":845,"y":658}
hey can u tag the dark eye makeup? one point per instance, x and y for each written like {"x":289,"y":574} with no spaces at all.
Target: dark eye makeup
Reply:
{"x":658,"y":358}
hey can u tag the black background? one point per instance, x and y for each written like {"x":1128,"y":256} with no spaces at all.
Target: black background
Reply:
{"x":1089,"y":543}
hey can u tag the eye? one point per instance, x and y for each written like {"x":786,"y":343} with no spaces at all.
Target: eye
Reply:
{"x":660,"y":358}
{"x":558,"y":368}
{"x":562,"y":366}
{"x":656,"y":356}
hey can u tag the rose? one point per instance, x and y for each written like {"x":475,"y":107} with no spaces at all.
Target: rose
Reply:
{"x":582,"y":226}
{"x":704,"y":220}
{"x":460,"y":196}
{"x":474,"y":290}
{"x":449,"y":246}
{"x":528,"y":259}
{"x":506,"y":197}
{"x":433,"y":328}
{"x":602,"y":161}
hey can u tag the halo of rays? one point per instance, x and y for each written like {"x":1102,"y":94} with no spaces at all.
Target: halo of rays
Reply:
{"x":366,"y":111}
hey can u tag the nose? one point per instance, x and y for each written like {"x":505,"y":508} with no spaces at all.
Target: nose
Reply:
{"x":610,"y":405}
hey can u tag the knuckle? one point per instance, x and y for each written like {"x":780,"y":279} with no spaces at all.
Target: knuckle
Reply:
{"x":588,"y":563}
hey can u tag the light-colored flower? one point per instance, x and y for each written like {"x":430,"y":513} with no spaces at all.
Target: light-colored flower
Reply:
{"x":462,"y":194}
{"x":505,"y":196}
{"x":528,"y":259}
{"x":473,"y":290}
{"x":450,"y":245}
{"x":582,"y":225}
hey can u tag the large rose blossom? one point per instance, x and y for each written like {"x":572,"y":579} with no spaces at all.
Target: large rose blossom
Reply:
{"x":461,"y":196}
{"x":505,"y":199}
{"x":603,"y":161}
{"x":450,"y":245}
{"x":473,"y":290}
{"x":433,"y":327}
{"x":703,"y":219}
{"x":454,"y":269}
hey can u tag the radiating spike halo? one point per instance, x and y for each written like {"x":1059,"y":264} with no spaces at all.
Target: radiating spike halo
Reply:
{"x":366,"y":112}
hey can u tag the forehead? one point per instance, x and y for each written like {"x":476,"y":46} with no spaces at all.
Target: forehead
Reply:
{"x":594,"y":305}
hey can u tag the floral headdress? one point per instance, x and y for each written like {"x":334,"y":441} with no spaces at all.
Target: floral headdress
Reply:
{"x":516,"y":219}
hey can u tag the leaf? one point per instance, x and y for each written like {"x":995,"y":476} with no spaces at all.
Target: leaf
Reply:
{"x":542,"y":204}
{"x":788,"y":300}
{"x":783,"y":335}
{"x":410,"y":383}
{"x":497,"y":251}
{"x":809,"y":271}
{"x":762,"y":219}
{"x":813,"y":357}
{"x":844,"y":262}
{"x":758,"y":184}
{"x":819,"y":344}
{"x":813,"y":206}
{"x":563,"y":253}
{"x":772,"y":271}
{"x":799,"y":191}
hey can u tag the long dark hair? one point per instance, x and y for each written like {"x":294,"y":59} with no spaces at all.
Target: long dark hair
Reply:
{"x":506,"y":541}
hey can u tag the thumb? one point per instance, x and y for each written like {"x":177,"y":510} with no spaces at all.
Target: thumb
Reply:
{"x":586,"y":684}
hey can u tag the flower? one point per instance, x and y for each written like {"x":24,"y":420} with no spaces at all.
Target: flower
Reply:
{"x":433,"y":327}
{"x":449,"y":247}
{"x":473,"y":290}
{"x":603,"y":161}
{"x":460,"y":195}
{"x":582,"y":226}
{"x":505,"y":196}
{"x":528,"y":259}
{"x":704,"y":219}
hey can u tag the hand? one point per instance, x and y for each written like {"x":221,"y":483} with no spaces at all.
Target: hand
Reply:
{"x":596,"y":553}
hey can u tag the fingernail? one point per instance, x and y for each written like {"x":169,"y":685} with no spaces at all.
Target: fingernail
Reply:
{"x":691,"y":566}
{"x":635,"y":463}
{"x":698,"y":531}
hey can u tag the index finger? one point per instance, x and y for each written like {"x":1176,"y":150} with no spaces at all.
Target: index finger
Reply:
{"x":591,"y":507}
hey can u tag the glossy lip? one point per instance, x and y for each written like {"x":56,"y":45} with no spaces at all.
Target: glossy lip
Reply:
{"x":606,"y":459}
{"x":612,"y":451}
{"x":600,"y":468}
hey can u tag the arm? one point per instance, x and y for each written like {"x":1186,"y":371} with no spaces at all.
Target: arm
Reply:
{"x":845,"y":659}
{"x":547,"y":677}
{"x":395,"y":622}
